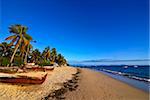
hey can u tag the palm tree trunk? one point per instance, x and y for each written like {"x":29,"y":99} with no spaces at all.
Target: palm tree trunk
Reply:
{"x":12,"y":57}
{"x":22,"y":55}
{"x":16,"y":48}
{"x":25,"y":59}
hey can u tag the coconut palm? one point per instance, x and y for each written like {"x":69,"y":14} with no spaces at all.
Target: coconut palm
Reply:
{"x":19,"y":49}
{"x":5,"y":50}
{"x":19,"y":37}
{"x":35,"y":56}
{"x":61,"y":60}
{"x":53,"y":55}
{"x":24,"y":46}
{"x":28,"y":48}
{"x":47,"y":53}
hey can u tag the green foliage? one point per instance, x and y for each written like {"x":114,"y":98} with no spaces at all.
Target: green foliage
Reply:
{"x":19,"y":50}
{"x":61,"y":60}
{"x":19,"y":38}
{"x":4,"y":61}
{"x":46,"y":53}
{"x":44,"y":63}
{"x":5,"y":50}
{"x":53,"y":54}
{"x":18,"y":61}
{"x":35,"y":56}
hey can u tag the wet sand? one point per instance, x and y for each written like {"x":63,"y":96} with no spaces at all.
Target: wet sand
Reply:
{"x":97,"y":86}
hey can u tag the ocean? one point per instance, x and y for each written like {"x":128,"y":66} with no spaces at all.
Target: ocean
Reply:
{"x":135,"y":75}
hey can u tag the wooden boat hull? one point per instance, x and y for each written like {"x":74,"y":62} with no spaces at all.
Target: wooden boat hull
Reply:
{"x":40,"y":69}
{"x":23,"y":80}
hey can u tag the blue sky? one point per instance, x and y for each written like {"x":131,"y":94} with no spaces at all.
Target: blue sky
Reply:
{"x":82,"y":29}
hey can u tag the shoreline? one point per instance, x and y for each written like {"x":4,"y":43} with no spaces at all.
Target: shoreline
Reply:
{"x":141,"y":85}
{"x":70,"y":83}
{"x":94,"y":85}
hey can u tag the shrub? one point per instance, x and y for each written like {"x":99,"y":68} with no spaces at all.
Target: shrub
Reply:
{"x":0,"y":61}
{"x":44,"y":63}
{"x":4,"y":61}
{"x":18,"y":61}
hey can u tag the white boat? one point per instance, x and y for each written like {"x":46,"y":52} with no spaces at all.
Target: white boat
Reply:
{"x":125,"y":66}
{"x":135,"y":66}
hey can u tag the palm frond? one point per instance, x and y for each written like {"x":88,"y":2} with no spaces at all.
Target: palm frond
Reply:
{"x":24,"y":29}
{"x":11,"y":37}
{"x":12,"y":42}
{"x":28,"y":37}
{"x":25,"y":42}
{"x":13,"y":29}
{"x":1,"y":45}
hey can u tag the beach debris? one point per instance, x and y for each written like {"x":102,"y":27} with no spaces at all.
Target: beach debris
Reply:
{"x":70,"y":85}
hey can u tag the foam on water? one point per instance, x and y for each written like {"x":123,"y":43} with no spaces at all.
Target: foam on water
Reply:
{"x":137,"y":76}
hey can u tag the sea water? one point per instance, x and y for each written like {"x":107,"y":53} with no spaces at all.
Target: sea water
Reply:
{"x":135,"y":75}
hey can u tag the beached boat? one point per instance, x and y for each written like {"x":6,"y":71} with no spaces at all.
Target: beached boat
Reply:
{"x":8,"y":69}
{"x":37,"y":68}
{"x":49,"y":68}
{"x":23,"y":78}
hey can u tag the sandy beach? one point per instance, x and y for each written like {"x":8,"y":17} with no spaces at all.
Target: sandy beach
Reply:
{"x":74,"y":50}
{"x":97,"y":86}
{"x":90,"y":85}
{"x":53,"y":82}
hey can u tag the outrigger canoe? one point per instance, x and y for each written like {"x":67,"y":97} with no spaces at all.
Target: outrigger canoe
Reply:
{"x":37,"y":68}
{"x":24,"y":78}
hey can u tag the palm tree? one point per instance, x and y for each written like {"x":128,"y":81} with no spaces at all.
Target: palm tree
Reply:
{"x":47,"y":53}
{"x":19,"y":37}
{"x":28,"y":48}
{"x":61,"y":60}
{"x":5,"y":50}
{"x":35,"y":56}
{"x":53,"y":55}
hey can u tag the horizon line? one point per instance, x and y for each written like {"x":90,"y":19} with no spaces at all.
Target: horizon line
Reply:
{"x":111,"y":60}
